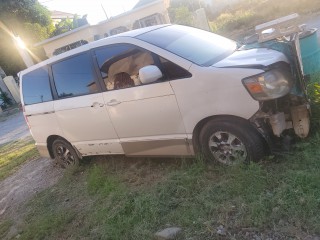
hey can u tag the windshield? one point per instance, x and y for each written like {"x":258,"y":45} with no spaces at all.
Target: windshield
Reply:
{"x":200,"y":47}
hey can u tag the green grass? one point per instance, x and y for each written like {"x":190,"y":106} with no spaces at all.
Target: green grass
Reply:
{"x":13,"y":154}
{"x":4,"y":228}
{"x":100,"y":203}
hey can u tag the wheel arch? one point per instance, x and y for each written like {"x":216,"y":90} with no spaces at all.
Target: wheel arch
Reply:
{"x":200,"y":125}
{"x":50,"y":141}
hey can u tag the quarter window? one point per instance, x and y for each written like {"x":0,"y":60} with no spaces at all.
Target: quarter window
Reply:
{"x":120,"y":64}
{"x":173,"y":71}
{"x":36,"y":87}
{"x":74,"y":76}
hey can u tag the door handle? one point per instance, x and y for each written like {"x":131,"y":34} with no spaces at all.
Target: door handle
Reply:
{"x":113,"y":102}
{"x":96,"y":104}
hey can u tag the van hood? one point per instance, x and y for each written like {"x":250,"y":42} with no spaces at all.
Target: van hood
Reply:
{"x":253,"y":57}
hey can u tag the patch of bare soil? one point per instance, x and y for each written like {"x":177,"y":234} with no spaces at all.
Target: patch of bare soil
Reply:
{"x":15,"y":191}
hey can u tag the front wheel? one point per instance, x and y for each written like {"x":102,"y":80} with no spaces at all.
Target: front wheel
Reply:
{"x":231,"y":142}
{"x":64,"y":154}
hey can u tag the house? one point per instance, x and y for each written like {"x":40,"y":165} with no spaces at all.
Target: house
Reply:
{"x":58,"y":16}
{"x":145,"y":13}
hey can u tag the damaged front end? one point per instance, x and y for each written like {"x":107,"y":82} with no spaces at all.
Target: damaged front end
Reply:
{"x":282,"y":89}
{"x":282,"y":117}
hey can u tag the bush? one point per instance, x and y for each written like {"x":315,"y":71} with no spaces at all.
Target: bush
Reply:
{"x":5,"y":101}
{"x":249,"y":13}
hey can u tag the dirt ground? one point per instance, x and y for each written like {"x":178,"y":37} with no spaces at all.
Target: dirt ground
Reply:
{"x":15,"y":191}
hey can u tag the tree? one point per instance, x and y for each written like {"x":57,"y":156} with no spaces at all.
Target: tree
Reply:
{"x":183,"y":16}
{"x":68,"y":24}
{"x":180,"y":11}
{"x":27,"y":19}
{"x":63,"y":26}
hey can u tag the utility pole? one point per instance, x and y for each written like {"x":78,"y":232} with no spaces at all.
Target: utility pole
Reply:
{"x":105,"y":13}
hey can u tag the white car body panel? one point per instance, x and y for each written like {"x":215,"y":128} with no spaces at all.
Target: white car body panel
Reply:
{"x":84,"y":125}
{"x":211,"y":92}
{"x":261,"y":56}
{"x":43,"y":121}
{"x":142,"y":115}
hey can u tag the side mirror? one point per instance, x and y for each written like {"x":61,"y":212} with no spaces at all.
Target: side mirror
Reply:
{"x":149,"y":74}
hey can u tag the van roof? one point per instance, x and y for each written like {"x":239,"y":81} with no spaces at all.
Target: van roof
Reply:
{"x":130,"y":34}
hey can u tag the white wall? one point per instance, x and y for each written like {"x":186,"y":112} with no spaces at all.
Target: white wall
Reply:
{"x":13,"y":88}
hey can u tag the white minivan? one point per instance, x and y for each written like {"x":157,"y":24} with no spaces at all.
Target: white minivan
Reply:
{"x":166,"y":90}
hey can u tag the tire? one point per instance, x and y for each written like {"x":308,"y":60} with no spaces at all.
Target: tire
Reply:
{"x":64,"y":154}
{"x":231,"y":141}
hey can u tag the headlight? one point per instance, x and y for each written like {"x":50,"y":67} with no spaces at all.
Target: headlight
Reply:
{"x":269,"y":85}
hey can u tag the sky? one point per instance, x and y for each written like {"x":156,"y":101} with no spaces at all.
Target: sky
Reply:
{"x":91,"y":7}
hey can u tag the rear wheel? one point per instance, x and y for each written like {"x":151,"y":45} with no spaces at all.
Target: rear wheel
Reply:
{"x":231,"y":142}
{"x":64,"y":154}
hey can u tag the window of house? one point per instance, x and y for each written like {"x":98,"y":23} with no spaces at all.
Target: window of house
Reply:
{"x":36,"y":87}
{"x":150,"y":21}
{"x":118,"y":30}
{"x":120,"y":64}
{"x":96,"y":37}
{"x":69,"y":47}
{"x":74,"y":76}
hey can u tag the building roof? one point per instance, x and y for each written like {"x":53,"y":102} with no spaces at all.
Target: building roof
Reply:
{"x":142,"y":3}
{"x":61,"y":35}
{"x":61,"y":15}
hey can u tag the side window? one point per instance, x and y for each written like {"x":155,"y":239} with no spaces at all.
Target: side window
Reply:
{"x":74,"y":76}
{"x":172,"y":70}
{"x":36,"y":87}
{"x":120,"y":64}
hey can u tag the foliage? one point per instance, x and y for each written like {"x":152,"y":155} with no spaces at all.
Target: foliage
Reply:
{"x":17,"y":12}
{"x":231,"y":21}
{"x":192,"y":5}
{"x":180,"y":11}
{"x":34,"y":32}
{"x":246,"y":14}
{"x":27,"y":19}
{"x":5,"y":100}
{"x":68,"y":24}
{"x":63,"y":26}
{"x":183,"y":16}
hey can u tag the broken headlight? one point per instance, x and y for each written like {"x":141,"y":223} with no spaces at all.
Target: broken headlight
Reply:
{"x":272,"y":84}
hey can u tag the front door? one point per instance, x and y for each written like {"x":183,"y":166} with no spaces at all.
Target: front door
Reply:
{"x":146,"y":117}
{"x":80,"y":108}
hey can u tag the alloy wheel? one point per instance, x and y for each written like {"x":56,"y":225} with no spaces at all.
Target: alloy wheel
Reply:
{"x":227,"y":148}
{"x":65,"y":156}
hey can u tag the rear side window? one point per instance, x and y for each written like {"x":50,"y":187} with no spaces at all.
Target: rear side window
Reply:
{"x":36,"y":87}
{"x":74,"y":76}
